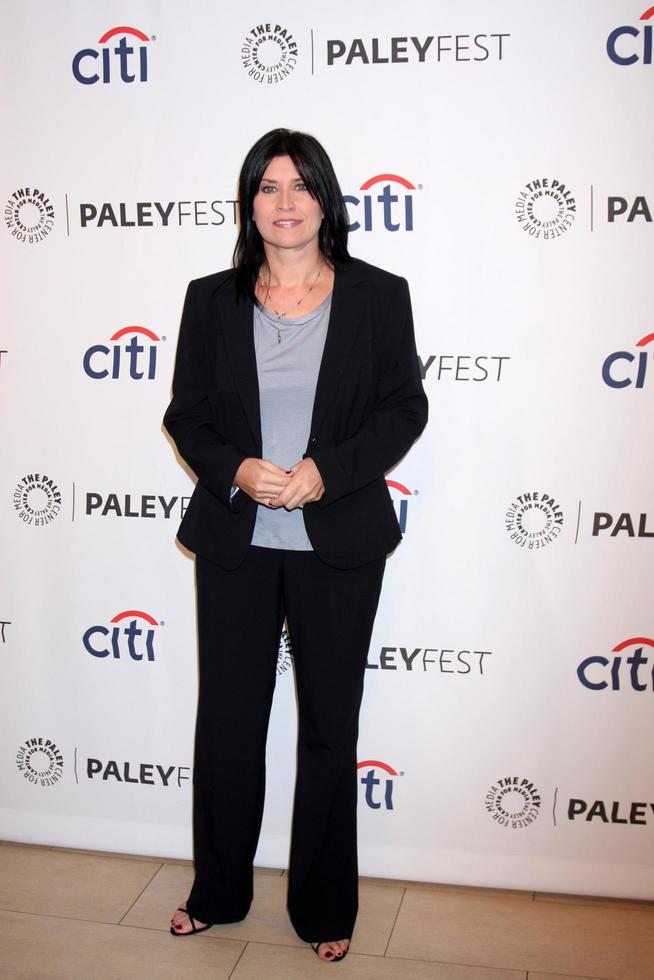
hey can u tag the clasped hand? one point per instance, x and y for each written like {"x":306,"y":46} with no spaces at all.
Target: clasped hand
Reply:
{"x":274,"y":487}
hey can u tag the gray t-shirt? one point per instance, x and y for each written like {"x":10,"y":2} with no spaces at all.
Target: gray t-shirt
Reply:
{"x":289,"y":352}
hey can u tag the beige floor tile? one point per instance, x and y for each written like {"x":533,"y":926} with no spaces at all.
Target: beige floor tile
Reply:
{"x":167,"y":889}
{"x":284,"y":963}
{"x":510,"y":933}
{"x":38,"y":947}
{"x":378,"y":906}
{"x":557,"y":976}
{"x":115,"y":854}
{"x":267,"y":921}
{"x":615,"y":903}
{"x":136,"y":857}
{"x":441,"y":887}
{"x":45,"y":882}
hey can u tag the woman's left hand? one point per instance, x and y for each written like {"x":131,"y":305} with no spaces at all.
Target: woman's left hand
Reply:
{"x":304,"y":487}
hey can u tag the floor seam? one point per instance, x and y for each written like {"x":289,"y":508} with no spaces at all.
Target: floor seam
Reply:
{"x":72,"y":918}
{"x":240,"y":957}
{"x":596,"y":906}
{"x":390,"y":935}
{"x":147,"y":885}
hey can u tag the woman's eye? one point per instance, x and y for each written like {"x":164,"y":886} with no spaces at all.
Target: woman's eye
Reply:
{"x":300,"y":186}
{"x":267,"y":188}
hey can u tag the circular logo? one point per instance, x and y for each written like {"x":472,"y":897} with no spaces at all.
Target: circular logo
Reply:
{"x":533,"y":520}
{"x":545,"y":208}
{"x":285,"y":655}
{"x":513,"y":802}
{"x":37,"y":499}
{"x":40,"y":761}
{"x":269,"y":53}
{"x":29,"y":215}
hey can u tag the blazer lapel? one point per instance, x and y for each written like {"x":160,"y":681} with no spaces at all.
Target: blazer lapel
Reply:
{"x":238,"y":331}
{"x":348,"y":302}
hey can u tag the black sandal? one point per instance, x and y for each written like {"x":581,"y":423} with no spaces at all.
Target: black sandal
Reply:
{"x":195,"y":931}
{"x":334,"y":958}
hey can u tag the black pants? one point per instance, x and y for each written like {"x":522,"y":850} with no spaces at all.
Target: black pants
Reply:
{"x":330,"y":614}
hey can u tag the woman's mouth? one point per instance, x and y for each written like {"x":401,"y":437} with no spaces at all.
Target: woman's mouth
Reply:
{"x":287,"y":222}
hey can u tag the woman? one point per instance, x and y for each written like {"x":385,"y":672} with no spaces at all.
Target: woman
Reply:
{"x":296,"y":387}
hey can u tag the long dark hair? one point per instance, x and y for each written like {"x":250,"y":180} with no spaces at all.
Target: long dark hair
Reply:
{"x":316,"y":170}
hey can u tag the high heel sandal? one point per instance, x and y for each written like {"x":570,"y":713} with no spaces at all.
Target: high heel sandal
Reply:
{"x":195,"y":930}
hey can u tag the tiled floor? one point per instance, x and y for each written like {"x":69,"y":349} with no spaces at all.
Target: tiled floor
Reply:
{"x":75,"y":915}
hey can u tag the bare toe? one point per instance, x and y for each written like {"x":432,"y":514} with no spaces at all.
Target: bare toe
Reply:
{"x":181,"y":922}
{"x":332,"y":950}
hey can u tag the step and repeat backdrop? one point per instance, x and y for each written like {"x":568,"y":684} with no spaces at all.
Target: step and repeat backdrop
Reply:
{"x":500,"y":157}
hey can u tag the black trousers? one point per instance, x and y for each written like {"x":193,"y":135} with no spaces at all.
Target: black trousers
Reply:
{"x":330,"y":614}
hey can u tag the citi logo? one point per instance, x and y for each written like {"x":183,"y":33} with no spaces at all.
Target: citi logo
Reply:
{"x":126,"y":58}
{"x":618,"y":374}
{"x":623,"y":51}
{"x":634,"y":671}
{"x":135,"y":356}
{"x":379,"y":790}
{"x":395,"y":210}
{"x":400,"y":497}
{"x":121,"y":639}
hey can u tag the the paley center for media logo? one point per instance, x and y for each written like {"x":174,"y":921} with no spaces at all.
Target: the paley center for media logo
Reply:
{"x":37,"y":499}
{"x":534,"y":519}
{"x":545,"y":208}
{"x":40,"y":761}
{"x":29,"y":215}
{"x":269,"y":53}
{"x":513,"y":802}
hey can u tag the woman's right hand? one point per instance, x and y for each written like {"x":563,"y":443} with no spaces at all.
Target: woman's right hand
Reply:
{"x":261,"y":480}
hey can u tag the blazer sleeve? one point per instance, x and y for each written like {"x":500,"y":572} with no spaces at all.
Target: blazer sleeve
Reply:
{"x":188,"y":418}
{"x":398,"y":416}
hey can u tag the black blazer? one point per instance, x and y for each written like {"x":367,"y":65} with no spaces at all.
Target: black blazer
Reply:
{"x":369,"y":408}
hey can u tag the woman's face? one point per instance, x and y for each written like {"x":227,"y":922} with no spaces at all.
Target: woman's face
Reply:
{"x":285,"y":213}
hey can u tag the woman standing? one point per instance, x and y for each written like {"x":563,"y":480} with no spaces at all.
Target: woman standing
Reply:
{"x":296,"y":388}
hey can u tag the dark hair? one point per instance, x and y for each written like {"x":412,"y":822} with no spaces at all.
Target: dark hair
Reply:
{"x":316,"y":170}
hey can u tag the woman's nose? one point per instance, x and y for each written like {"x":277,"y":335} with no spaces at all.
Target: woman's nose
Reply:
{"x":286,"y":202}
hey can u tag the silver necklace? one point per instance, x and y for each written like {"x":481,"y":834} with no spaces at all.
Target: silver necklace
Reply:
{"x":295,"y":305}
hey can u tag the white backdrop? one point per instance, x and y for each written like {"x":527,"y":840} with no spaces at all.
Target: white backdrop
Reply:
{"x":499,"y":156}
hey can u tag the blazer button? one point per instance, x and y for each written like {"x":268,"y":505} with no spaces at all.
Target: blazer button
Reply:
{"x":313,"y":440}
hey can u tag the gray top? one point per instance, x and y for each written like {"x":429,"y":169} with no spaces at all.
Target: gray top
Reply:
{"x":289,"y":352}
